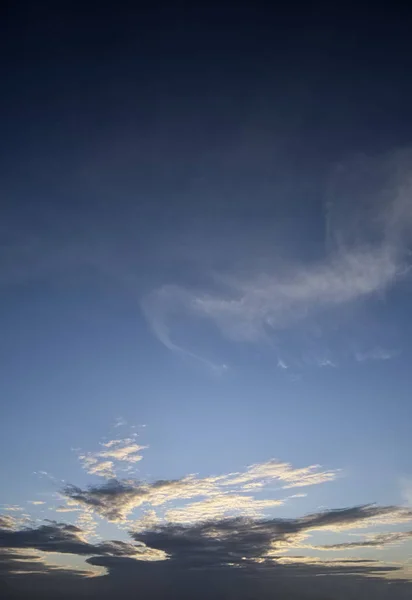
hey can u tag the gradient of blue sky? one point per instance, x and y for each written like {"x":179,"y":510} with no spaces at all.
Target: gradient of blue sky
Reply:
{"x":221,"y":275}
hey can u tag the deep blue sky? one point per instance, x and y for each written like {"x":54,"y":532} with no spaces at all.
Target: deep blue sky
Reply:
{"x":205,"y":248}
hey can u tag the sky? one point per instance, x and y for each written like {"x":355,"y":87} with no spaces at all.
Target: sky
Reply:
{"x":205,"y":289}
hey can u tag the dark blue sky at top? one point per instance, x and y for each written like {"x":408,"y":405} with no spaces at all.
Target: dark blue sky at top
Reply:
{"x":323,"y":82}
{"x":193,"y":117}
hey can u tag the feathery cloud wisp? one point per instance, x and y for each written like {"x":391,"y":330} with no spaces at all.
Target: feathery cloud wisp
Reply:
{"x":115,"y":500}
{"x":252,"y":308}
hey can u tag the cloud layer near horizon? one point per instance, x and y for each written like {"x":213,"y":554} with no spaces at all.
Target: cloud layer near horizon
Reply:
{"x":230,"y":548}
{"x":222,"y":525}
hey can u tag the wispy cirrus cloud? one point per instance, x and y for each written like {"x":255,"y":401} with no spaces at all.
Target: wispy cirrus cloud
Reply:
{"x":283,"y":472}
{"x":116,"y":500}
{"x":366,"y":253}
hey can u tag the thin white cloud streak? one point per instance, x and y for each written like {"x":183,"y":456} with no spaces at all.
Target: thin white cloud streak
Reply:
{"x":378,"y":540}
{"x":155,"y":307}
{"x":283,"y":472}
{"x":66,"y":509}
{"x":123,"y":452}
{"x":221,"y":506}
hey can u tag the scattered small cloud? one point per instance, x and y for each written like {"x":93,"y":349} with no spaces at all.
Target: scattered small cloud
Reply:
{"x":116,"y":453}
{"x":8,"y":522}
{"x":325,"y":362}
{"x":11,"y":507}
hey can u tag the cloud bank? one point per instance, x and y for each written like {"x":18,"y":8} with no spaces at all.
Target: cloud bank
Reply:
{"x":205,"y":537}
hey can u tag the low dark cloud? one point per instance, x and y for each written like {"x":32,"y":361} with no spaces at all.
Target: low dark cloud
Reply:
{"x":376,"y":541}
{"x":60,"y":537}
{"x":325,"y":580}
{"x":228,"y":558}
{"x":110,"y":499}
{"x":16,"y":563}
{"x":240,"y":541}
{"x":222,"y":558}
{"x":194,"y":551}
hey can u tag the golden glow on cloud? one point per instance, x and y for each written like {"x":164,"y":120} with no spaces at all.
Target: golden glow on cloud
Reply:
{"x":229,"y":518}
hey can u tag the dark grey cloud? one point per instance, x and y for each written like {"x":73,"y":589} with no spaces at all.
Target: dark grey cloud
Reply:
{"x":239,"y":541}
{"x":27,"y":574}
{"x":14,"y":562}
{"x":326,"y":580}
{"x":238,"y":557}
{"x":111,"y":499}
{"x":61,"y":537}
{"x":376,"y":541}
